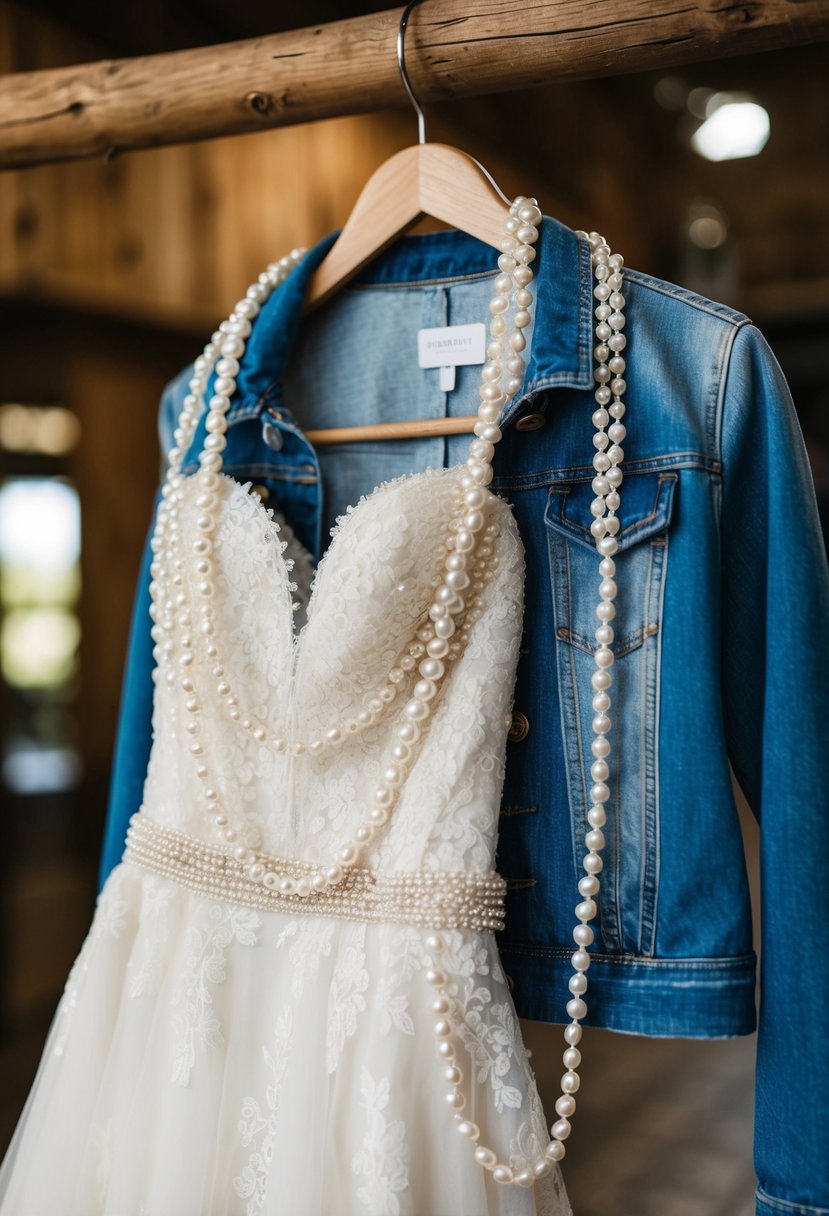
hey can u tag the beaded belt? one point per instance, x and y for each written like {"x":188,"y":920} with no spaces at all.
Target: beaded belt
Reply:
{"x":425,"y":898}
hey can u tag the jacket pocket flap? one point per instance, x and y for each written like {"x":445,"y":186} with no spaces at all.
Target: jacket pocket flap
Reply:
{"x":646,"y":508}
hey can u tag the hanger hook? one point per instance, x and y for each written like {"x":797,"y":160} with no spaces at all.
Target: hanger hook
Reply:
{"x":404,"y":75}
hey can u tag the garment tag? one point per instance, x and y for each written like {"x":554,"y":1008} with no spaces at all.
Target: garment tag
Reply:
{"x":451,"y":346}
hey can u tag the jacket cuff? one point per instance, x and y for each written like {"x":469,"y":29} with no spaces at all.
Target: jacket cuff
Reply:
{"x":767,"y":1205}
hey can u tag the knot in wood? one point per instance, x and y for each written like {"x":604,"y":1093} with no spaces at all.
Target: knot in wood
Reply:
{"x":260,"y":103}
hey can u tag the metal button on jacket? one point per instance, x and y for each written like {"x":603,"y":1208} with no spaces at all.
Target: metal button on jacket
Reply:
{"x":530,"y":422}
{"x":519,"y":727}
{"x":272,"y":436}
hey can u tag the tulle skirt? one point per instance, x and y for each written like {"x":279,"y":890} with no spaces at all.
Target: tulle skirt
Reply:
{"x":208,"y":1059}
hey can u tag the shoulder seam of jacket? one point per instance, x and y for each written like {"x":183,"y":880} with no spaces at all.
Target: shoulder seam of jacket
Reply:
{"x":674,"y":292}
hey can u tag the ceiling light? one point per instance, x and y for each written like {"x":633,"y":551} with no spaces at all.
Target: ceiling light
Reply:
{"x":734,"y":127}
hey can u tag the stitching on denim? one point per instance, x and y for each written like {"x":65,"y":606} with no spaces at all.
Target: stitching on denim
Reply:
{"x":656,"y":729}
{"x":619,"y":646}
{"x":718,"y":429}
{"x":673,"y":292}
{"x":785,"y":1205}
{"x":300,"y":473}
{"x":558,"y":575}
{"x":634,"y":532}
{"x":585,"y":307}
{"x":635,"y":960}
{"x":518,"y":810}
{"x":651,"y":667}
{"x":520,"y":884}
{"x":572,"y":688}
{"x":578,"y":473}
{"x":472,"y":277}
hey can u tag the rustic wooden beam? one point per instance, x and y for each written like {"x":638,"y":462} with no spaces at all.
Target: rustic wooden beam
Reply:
{"x":453,"y":49}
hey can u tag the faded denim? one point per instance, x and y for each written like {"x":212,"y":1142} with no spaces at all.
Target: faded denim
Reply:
{"x":724,"y":597}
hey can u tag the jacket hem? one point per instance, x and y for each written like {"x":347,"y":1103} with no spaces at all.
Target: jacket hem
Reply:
{"x":703,"y":998}
{"x":767,"y":1205}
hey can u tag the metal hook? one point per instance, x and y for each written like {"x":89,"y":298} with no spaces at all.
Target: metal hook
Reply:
{"x":404,"y":75}
{"x":421,"y":120}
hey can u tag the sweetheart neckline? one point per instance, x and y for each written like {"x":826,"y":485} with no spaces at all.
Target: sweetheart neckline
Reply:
{"x":341,"y":526}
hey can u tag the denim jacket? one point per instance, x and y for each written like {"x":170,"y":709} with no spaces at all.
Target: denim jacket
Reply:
{"x":723,"y":596}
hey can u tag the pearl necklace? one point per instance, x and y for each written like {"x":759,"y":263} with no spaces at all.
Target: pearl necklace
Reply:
{"x":468,"y":566}
{"x":610,"y":366}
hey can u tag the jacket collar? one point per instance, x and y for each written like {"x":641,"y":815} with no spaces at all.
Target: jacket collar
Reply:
{"x":561,"y":347}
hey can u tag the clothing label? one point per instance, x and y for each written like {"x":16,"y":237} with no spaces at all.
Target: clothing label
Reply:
{"x":451,"y":346}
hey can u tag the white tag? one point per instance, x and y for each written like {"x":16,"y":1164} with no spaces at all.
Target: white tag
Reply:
{"x":451,"y":346}
{"x":447,"y":379}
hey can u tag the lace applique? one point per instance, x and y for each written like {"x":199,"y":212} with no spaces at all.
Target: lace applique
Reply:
{"x":146,"y":965}
{"x":489,"y":1030}
{"x":345,"y":996}
{"x":312,"y":942}
{"x":110,"y":920}
{"x":195,"y":1026}
{"x":531,"y":1139}
{"x":257,"y":1126}
{"x":401,"y":958}
{"x":383,"y":1160}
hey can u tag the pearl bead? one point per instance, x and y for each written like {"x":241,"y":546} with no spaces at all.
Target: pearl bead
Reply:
{"x":485,"y":1157}
{"x":431,"y":669}
{"x":571,"y":1081}
{"x":580,"y":959}
{"x":468,"y":1129}
{"x":444,"y":627}
{"x":502,"y":1174}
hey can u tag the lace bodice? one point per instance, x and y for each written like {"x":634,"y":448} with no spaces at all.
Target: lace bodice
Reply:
{"x":354,"y":619}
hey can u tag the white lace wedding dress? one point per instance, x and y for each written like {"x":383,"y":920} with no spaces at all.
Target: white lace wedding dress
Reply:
{"x":218,"y":1058}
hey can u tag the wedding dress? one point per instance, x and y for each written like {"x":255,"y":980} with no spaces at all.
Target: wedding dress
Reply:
{"x":215,"y":1055}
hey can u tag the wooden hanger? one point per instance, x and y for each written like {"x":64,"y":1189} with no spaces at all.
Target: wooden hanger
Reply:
{"x":427,"y":179}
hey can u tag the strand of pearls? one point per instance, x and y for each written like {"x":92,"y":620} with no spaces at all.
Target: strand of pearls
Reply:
{"x":468,"y":565}
{"x":610,"y":365}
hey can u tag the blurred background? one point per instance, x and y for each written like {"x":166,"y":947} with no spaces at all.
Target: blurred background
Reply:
{"x":112,"y":275}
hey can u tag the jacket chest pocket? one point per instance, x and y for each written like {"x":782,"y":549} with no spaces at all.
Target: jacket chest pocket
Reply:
{"x":631,"y":856}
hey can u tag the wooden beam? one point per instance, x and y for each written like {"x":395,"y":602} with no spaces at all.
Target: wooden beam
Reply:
{"x":350,"y":67}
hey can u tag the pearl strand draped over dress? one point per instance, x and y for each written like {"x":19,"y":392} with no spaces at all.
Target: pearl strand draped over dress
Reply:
{"x":214,"y":1058}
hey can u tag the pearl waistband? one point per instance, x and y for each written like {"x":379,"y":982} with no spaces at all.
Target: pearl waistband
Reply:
{"x":424,"y":898}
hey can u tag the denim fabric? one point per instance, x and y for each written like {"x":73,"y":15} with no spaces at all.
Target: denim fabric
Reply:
{"x":723,"y":594}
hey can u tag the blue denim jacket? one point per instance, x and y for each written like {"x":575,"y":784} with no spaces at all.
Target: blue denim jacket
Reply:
{"x":723,"y":596}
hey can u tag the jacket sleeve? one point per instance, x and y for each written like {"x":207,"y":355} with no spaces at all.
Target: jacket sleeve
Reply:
{"x":134,"y":731}
{"x":775,"y":613}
